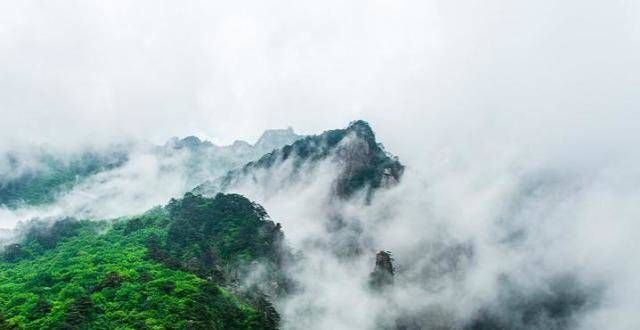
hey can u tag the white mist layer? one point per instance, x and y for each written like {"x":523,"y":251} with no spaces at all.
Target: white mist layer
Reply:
{"x":143,"y":182}
{"x":518,"y":121}
{"x":150,"y":176}
{"x":455,"y":234}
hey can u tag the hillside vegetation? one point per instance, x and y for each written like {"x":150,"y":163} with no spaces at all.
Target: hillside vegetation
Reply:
{"x":171,"y":268}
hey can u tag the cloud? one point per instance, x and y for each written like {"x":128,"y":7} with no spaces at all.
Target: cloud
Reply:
{"x":82,"y":71}
{"x":517,"y":122}
{"x":144,"y":181}
{"x":503,"y":240}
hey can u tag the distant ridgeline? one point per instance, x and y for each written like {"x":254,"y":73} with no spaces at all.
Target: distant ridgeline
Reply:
{"x":205,"y":160}
{"x":41,"y":176}
{"x":37,"y":178}
{"x":174,"y":267}
{"x":363,"y":163}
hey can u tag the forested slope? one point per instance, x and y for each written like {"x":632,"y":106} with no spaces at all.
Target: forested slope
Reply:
{"x":154,"y":271}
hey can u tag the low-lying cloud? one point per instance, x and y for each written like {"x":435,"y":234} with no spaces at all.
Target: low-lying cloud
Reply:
{"x":524,"y":248}
{"x":517,"y":121}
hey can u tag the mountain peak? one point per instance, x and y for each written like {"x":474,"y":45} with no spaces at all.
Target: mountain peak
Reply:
{"x":365,"y":164}
{"x":360,"y":126}
{"x":189,"y":142}
{"x":240,"y":144}
{"x":275,"y":138}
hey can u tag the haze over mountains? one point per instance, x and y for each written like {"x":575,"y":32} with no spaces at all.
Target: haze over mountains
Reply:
{"x":327,"y":231}
{"x":506,"y":194}
{"x":95,"y":182}
{"x":229,"y":245}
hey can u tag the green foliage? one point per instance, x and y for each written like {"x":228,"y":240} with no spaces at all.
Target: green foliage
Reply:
{"x":13,"y":252}
{"x":5,"y":324}
{"x":81,"y":275}
{"x":56,"y":176}
{"x":39,"y":236}
{"x":228,"y":229}
{"x":47,"y":236}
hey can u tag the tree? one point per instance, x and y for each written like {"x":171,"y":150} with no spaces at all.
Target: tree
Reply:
{"x":78,"y":312}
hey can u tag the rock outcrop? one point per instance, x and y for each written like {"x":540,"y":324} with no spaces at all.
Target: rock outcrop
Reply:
{"x":383,"y":273}
{"x":363,"y":163}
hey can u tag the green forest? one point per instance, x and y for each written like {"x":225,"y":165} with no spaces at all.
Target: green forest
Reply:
{"x":174,"y":267}
{"x":56,"y":176}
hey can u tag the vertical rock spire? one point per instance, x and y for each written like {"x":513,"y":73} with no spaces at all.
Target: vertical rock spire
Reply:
{"x":383,"y":272}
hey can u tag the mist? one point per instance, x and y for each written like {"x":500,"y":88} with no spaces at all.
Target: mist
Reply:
{"x":465,"y":244}
{"x":518,"y":124}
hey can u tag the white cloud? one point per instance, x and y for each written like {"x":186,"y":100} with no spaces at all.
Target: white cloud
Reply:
{"x":481,"y":100}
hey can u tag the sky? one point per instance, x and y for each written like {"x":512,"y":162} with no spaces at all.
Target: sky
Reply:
{"x":545,"y":73}
{"x":520,"y":110}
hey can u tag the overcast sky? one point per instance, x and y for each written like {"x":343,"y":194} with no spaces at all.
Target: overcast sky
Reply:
{"x":552,"y":75}
{"x":475,"y":96}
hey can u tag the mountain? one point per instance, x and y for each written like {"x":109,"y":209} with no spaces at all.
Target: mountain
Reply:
{"x":362,"y":163}
{"x":197,"y":262}
{"x":38,"y":176}
{"x":269,"y":140}
{"x":204,"y":160}
{"x":41,"y":176}
{"x":214,"y":259}
{"x":174,"y":267}
{"x":275,"y":139}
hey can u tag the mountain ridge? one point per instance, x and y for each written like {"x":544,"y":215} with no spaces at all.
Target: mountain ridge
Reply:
{"x":57,"y":174}
{"x":139,"y":272}
{"x":185,"y":264}
{"x":364,"y":162}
